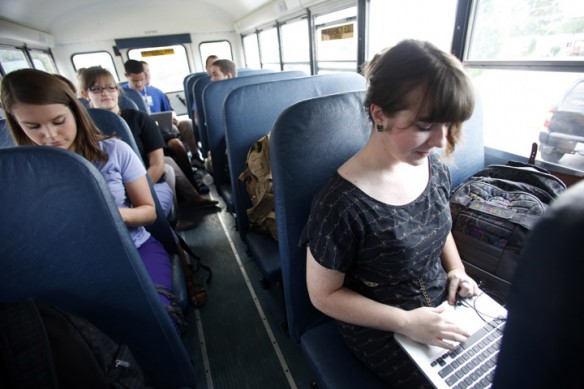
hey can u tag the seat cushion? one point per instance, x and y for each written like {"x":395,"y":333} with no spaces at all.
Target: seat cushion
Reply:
{"x":333,"y":363}
{"x":265,"y":252}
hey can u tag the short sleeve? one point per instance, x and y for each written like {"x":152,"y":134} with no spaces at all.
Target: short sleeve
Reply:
{"x":151,"y":136}
{"x":131,"y":167}
{"x":332,"y":231}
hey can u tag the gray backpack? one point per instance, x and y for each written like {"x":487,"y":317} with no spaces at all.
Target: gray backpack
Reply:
{"x":493,"y":212}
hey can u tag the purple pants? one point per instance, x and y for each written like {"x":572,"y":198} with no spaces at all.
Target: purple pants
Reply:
{"x":157,"y":264}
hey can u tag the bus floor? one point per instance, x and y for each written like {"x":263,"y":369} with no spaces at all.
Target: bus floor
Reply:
{"x":238,"y":338}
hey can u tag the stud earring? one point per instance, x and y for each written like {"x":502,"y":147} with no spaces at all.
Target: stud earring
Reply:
{"x":379,"y":128}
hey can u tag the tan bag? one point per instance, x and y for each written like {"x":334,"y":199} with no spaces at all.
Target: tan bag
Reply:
{"x":258,"y":181}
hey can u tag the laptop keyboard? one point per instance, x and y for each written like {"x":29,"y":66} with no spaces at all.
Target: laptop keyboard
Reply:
{"x":472,"y":363}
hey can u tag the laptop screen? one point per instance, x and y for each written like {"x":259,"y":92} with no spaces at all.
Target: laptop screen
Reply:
{"x":164,"y":120}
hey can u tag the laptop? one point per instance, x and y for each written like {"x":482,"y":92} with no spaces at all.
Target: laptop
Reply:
{"x":164,"y":120}
{"x":471,"y":363}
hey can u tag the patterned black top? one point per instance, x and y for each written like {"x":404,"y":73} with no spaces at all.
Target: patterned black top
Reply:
{"x":386,"y":252}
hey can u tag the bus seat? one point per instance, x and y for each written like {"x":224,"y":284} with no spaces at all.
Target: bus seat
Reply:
{"x":199,"y":86}
{"x":84,"y":102}
{"x":244,"y":72}
{"x":65,"y":243}
{"x":5,"y":136}
{"x":108,"y":122}
{"x":469,"y":155}
{"x":126,"y":103}
{"x":309,"y":141}
{"x":213,"y":99}
{"x":543,"y":328}
{"x":136,"y":97}
{"x":250,"y":112}
{"x":188,"y":83}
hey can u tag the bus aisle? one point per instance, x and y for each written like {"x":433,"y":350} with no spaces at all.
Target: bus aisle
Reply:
{"x":237,"y":338}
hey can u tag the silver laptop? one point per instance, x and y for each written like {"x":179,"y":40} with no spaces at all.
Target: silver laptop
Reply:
{"x":164,"y":120}
{"x":472,"y":363}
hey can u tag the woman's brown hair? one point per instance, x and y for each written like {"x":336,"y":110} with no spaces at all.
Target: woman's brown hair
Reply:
{"x":36,"y":87}
{"x":417,"y":75}
{"x":92,"y":75}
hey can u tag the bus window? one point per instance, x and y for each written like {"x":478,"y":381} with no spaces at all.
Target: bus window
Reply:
{"x":168,"y":65}
{"x":336,"y":41}
{"x":12,"y":59}
{"x":251,"y":51}
{"x":43,"y":61}
{"x":98,"y":58}
{"x":524,"y":70}
{"x":222,"y":49}
{"x":295,"y":45}
{"x":392,"y":21}
{"x":269,"y":49}
{"x":549,"y":30}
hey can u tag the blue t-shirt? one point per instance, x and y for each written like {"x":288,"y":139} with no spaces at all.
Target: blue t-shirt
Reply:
{"x":155,"y":99}
{"x":123,"y":166}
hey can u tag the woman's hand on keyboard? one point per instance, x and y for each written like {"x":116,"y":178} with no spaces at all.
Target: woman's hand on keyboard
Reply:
{"x":429,"y":326}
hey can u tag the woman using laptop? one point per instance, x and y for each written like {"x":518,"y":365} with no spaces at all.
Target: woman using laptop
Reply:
{"x":380,"y":255}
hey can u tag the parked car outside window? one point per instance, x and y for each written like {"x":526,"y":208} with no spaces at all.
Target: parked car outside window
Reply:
{"x":564,"y":128}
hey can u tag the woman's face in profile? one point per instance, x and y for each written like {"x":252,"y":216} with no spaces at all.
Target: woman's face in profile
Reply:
{"x":47,"y":125}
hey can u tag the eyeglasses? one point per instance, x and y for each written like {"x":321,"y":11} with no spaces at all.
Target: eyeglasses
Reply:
{"x":99,"y":89}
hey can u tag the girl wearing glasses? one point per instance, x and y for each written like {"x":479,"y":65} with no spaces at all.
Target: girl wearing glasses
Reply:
{"x":99,"y":87}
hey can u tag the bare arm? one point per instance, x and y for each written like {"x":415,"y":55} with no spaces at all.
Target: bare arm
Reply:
{"x":327,"y":294}
{"x":155,"y":165}
{"x":143,"y":211}
{"x":457,"y":277}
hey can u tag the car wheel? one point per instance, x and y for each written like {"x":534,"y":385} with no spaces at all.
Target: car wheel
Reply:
{"x":551,"y":156}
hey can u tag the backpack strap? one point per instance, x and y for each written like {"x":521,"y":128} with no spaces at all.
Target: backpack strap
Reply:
{"x":196,"y":288}
{"x":196,"y":258}
{"x":24,"y":347}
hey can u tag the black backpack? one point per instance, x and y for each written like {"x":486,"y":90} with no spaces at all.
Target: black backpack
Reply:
{"x":44,"y":347}
{"x":493,"y":212}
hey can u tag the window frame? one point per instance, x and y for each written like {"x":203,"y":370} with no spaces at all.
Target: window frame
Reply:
{"x":26,"y":52}
{"x":464,"y":22}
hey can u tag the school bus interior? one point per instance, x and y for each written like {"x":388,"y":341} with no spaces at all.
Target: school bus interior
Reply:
{"x":299,"y":78}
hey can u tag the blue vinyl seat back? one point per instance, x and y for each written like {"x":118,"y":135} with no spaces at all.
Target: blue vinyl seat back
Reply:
{"x":252,"y":110}
{"x":309,"y":141}
{"x":244,"y":72}
{"x":5,"y":136}
{"x":188,"y":84}
{"x":126,"y":103}
{"x":213,"y":99}
{"x":136,"y":97}
{"x":84,"y":102}
{"x":199,"y":86}
{"x":65,"y":243}
{"x":110,"y":123}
